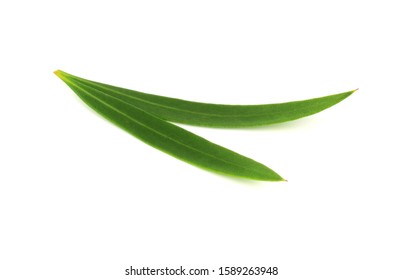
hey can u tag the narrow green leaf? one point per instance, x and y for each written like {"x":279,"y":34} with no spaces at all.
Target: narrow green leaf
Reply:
{"x":168,"y":137}
{"x":216,"y":115}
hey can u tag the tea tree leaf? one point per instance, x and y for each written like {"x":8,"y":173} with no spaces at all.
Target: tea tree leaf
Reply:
{"x":215,"y":115}
{"x":167,"y":137}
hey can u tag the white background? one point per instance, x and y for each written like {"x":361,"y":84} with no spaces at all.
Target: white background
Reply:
{"x":82,"y":199}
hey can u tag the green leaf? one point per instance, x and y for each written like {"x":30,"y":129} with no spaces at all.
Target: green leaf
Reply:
{"x":216,"y":115}
{"x":168,"y":137}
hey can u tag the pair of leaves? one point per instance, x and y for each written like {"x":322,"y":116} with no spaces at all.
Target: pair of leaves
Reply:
{"x":146,"y":117}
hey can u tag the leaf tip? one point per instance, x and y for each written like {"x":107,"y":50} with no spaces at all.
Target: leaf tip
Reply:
{"x":278,"y":178}
{"x":282,"y":180}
